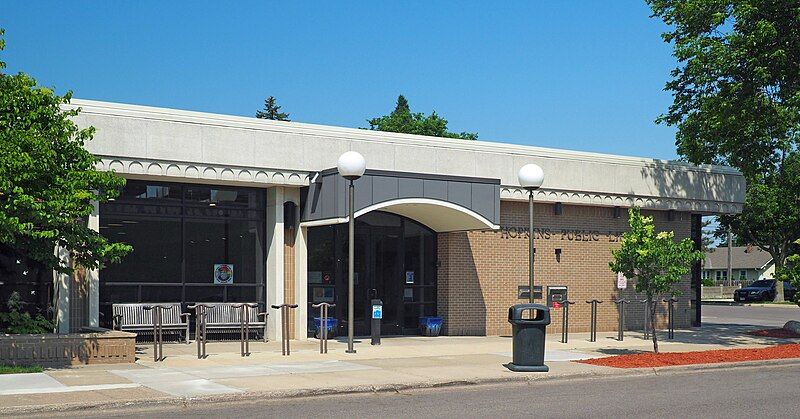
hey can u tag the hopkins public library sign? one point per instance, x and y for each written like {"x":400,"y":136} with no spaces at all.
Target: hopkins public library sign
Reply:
{"x":577,"y":235}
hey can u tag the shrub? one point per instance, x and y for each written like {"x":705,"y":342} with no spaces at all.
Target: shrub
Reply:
{"x":15,"y":321}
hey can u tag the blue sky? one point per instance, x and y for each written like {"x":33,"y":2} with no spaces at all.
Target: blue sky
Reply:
{"x":585,"y":75}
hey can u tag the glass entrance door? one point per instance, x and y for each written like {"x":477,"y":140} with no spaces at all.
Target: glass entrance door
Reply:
{"x":383,"y":257}
{"x":395,"y":261}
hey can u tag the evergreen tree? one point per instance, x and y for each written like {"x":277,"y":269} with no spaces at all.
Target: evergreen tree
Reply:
{"x":272,"y":111}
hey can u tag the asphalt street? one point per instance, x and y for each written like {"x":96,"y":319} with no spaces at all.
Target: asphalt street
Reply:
{"x":746,"y":315}
{"x":729,"y":393}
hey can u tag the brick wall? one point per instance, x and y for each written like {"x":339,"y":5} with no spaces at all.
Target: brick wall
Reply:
{"x":479,"y":271}
{"x":51,"y":350}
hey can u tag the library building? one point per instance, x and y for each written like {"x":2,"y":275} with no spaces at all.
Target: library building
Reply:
{"x":225,"y":208}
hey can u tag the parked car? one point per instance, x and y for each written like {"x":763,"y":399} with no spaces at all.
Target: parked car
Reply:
{"x":763,"y":290}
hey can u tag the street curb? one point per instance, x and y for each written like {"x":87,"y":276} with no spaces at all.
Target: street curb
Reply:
{"x":614,"y":373}
{"x":794,"y":306}
{"x":720,"y":303}
{"x":738,"y":304}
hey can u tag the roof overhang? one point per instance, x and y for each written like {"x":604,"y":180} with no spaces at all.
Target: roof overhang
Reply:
{"x":439,"y":216}
{"x":441,"y":203}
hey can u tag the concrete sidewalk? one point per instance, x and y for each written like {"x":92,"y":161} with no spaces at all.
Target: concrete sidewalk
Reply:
{"x":400,"y":362}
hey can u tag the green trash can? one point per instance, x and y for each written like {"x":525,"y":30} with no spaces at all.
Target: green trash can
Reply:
{"x":528,"y":335}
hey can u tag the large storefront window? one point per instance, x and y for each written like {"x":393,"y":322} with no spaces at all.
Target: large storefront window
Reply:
{"x":179,"y":234}
{"x":395,"y":261}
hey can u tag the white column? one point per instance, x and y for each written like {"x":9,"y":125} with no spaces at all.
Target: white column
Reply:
{"x":62,"y":283}
{"x":275,"y":274}
{"x":93,"y":276}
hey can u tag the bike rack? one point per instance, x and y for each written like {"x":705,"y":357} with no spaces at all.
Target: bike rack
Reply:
{"x":200,"y":328}
{"x":670,"y":318}
{"x":244,"y":328}
{"x":565,"y":321}
{"x":284,"y":308}
{"x":593,"y":326}
{"x":646,"y":327}
{"x":323,"y":325}
{"x":621,"y":307}
{"x":158,"y":330}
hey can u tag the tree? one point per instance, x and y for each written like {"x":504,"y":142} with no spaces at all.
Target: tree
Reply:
{"x":48,"y":182}
{"x":654,"y":259}
{"x":736,"y":101}
{"x":407,"y":122}
{"x":272,"y":111}
{"x":791,"y":270}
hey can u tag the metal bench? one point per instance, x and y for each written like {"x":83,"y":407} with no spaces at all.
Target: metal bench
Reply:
{"x":227,"y":318}
{"x":134,"y":318}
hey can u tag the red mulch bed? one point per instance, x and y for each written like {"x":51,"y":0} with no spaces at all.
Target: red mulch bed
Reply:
{"x":666,"y":359}
{"x":775,"y":333}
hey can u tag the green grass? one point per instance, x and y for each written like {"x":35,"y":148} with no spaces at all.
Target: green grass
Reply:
{"x":19,"y":369}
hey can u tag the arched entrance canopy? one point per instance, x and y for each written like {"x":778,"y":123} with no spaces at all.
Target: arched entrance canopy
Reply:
{"x":439,"y":216}
{"x":443,"y":203}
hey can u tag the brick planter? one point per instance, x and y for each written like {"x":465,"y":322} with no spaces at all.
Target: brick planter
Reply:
{"x":98,"y":346}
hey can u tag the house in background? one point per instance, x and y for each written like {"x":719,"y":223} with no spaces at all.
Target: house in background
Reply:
{"x":748,"y":264}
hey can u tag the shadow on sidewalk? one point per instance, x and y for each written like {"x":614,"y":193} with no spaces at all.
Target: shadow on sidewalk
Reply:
{"x":722,"y":334}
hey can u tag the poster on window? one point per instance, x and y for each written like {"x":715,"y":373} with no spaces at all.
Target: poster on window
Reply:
{"x":323,"y":294}
{"x":223,"y":273}
{"x":409,"y":277}
{"x":314,"y":277}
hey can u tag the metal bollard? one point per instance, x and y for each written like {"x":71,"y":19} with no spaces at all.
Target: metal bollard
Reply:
{"x":284,"y":308}
{"x":621,"y":307}
{"x":593,"y":333}
{"x":323,"y":325}
{"x":244,"y":327}
{"x":670,"y":318}
{"x":200,"y":329}
{"x":646,"y":327}
{"x":158,"y":331}
{"x":565,"y":321}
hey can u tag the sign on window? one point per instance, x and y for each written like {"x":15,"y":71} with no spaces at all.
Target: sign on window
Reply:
{"x":223,"y":273}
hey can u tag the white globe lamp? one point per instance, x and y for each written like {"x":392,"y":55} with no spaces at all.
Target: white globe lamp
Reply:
{"x":351,"y":165}
{"x":531,"y":176}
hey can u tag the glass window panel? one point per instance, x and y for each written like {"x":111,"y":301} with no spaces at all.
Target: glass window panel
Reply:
{"x":152,"y":191}
{"x":233,"y":242}
{"x":209,"y":294}
{"x":205,"y":247}
{"x":110,"y":294}
{"x":207,"y":224}
{"x":224,"y":197}
{"x":162,"y":294}
{"x":245,"y":295}
{"x":156,"y":255}
{"x":321,"y":255}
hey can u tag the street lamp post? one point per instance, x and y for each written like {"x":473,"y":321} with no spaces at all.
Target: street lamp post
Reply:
{"x":351,"y":166}
{"x":530,"y":177}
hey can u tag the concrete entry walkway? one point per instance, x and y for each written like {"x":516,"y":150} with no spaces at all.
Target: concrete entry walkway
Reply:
{"x":402,"y":362}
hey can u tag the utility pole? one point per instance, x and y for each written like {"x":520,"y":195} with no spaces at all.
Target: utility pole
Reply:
{"x":730,"y":257}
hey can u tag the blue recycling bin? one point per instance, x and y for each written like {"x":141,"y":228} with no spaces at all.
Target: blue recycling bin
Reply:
{"x":332,"y":325}
{"x":430,"y":325}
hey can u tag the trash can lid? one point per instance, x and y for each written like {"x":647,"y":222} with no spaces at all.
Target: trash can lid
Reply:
{"x":516,"y":311}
